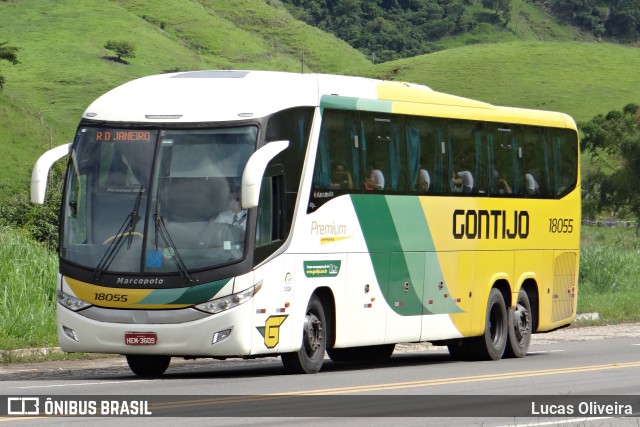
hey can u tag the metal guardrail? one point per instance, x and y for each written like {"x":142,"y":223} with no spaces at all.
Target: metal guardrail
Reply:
{"x":608,"y":223}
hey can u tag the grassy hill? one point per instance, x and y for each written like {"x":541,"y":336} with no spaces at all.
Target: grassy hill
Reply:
{"x":581,"y":79}
{"x":63,"y":65}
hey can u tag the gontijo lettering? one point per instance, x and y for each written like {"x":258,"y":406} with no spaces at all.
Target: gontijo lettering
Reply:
{"x":493,"y":224}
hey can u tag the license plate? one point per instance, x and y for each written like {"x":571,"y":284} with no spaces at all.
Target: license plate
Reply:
{"x":140,"y":338}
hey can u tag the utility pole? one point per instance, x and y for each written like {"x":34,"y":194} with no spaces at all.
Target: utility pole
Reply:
{"x":302,"y":61}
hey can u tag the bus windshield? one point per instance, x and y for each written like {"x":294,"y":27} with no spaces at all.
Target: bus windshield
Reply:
{"x":158,"y":201}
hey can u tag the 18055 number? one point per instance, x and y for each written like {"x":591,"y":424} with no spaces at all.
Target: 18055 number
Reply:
{"x":560,"y":225}
{"x":111,"y":297}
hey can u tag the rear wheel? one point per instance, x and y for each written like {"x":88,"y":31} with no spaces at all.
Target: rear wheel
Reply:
{"x":148,"y":366}
{"x":493,"y":342}
{"x":461,"y":349}
{"x":520,"y":326}
{"x":309,"y":359}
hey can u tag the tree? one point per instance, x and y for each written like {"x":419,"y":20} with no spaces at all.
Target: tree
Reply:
{"x":502,"y":9}
{"x":616,"y":136}
{"x":122,"y":49}
{"x":8,"y":53}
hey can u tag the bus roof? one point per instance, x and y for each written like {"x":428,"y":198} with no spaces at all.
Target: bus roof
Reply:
{"x":226,"y":95}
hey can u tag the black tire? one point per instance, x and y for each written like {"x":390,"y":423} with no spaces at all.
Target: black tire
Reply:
{"x":492,"y":344}
{"x":370,"y":353}
{"x":520,"y":327}
{"x":148,"y":366}
{"x":309,"y":359}
{"x":461,"y":349}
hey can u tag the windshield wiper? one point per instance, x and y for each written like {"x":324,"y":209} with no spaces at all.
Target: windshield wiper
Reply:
{"x":126,"y":230}
{"x":161,"y":229}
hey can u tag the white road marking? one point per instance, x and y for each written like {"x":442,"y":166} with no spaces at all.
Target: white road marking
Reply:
{"x":84,"y":384}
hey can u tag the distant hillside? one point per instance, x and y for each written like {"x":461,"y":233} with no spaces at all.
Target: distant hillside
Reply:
{"x":581,"y":79}
{"x":63,"y":65}
{"x":390,"y":29}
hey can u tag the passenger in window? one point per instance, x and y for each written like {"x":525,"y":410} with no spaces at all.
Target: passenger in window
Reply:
{"x":341,"y":178}
{"x":532,"y":184}
{"x":375,"y":178}
{"x":235,"y":215}
{"x":424,"y":180}
{"x":462,"y":182}
{"x":500,"y":184}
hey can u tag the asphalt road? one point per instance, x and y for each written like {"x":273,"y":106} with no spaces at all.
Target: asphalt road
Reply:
{"x":577,"y":370}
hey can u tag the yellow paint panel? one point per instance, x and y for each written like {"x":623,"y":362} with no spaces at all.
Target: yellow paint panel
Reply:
{"x":421,"y":101}
{"x":114,"y":297}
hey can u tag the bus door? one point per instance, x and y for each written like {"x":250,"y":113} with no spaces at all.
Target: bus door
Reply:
{"x":361,"y":318}
{"x":404,"y":296}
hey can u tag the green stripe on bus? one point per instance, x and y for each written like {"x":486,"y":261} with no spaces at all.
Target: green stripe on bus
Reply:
{"x":193,"y":295}
{"x":350,"y":103}
{"x":402,"y":251}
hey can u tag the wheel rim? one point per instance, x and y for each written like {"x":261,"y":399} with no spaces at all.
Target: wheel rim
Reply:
{"x":521,"y":324}
{"x":313,"y":335}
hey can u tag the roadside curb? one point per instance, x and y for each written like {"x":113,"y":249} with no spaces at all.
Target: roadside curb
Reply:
{"x":29,"y":352}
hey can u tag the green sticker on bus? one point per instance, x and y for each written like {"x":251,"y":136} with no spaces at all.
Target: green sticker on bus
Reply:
{"x":322,"y":268}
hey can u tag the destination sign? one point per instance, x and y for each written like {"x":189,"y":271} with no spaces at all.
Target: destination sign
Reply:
{"x":123,"y":136}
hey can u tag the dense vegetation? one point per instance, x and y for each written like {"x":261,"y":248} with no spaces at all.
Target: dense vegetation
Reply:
{"x":618,"y":19}
{"x":390,"y":29}
{"x":614,"y":140}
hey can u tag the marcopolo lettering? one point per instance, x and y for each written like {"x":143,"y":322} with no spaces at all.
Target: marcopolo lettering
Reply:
{"x":140,"y":281}
{"x":490,"y":224}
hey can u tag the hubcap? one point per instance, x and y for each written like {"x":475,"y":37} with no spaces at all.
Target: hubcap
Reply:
{"x":313,"y":334}
{"x":521,"y":322}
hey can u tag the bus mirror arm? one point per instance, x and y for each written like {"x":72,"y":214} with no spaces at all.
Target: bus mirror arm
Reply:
{"x":40,"y":172}
{"x":254,"y":171}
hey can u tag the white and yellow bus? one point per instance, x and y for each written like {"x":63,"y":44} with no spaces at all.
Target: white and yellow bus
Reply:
{"x":244,"y":214}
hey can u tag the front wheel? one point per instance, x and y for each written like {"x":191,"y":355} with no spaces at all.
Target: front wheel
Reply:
{"x":309,"y":359}
{"x":148,"y":366}
{"x":520,"y":326}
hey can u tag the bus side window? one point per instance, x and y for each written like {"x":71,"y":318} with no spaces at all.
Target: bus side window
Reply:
{"x":503,"y":147}
{"x":424,"y":156}
{"x":535,"y":168}
{"x":565,"y":154}
{"x":383,"y":152}
{"x":270,"y":225}
{"x":337,"y":158}
{"x":466,"y":157}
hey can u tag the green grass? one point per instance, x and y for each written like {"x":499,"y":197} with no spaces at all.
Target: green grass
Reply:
{"x":27,"y":292}
{"x":607,"y":285}
{"x":609,"y":272}
{"x":581,"y":79}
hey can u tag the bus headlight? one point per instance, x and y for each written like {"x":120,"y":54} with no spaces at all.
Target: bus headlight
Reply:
{"x":218,"y":305}
{"x":71,"y":302}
